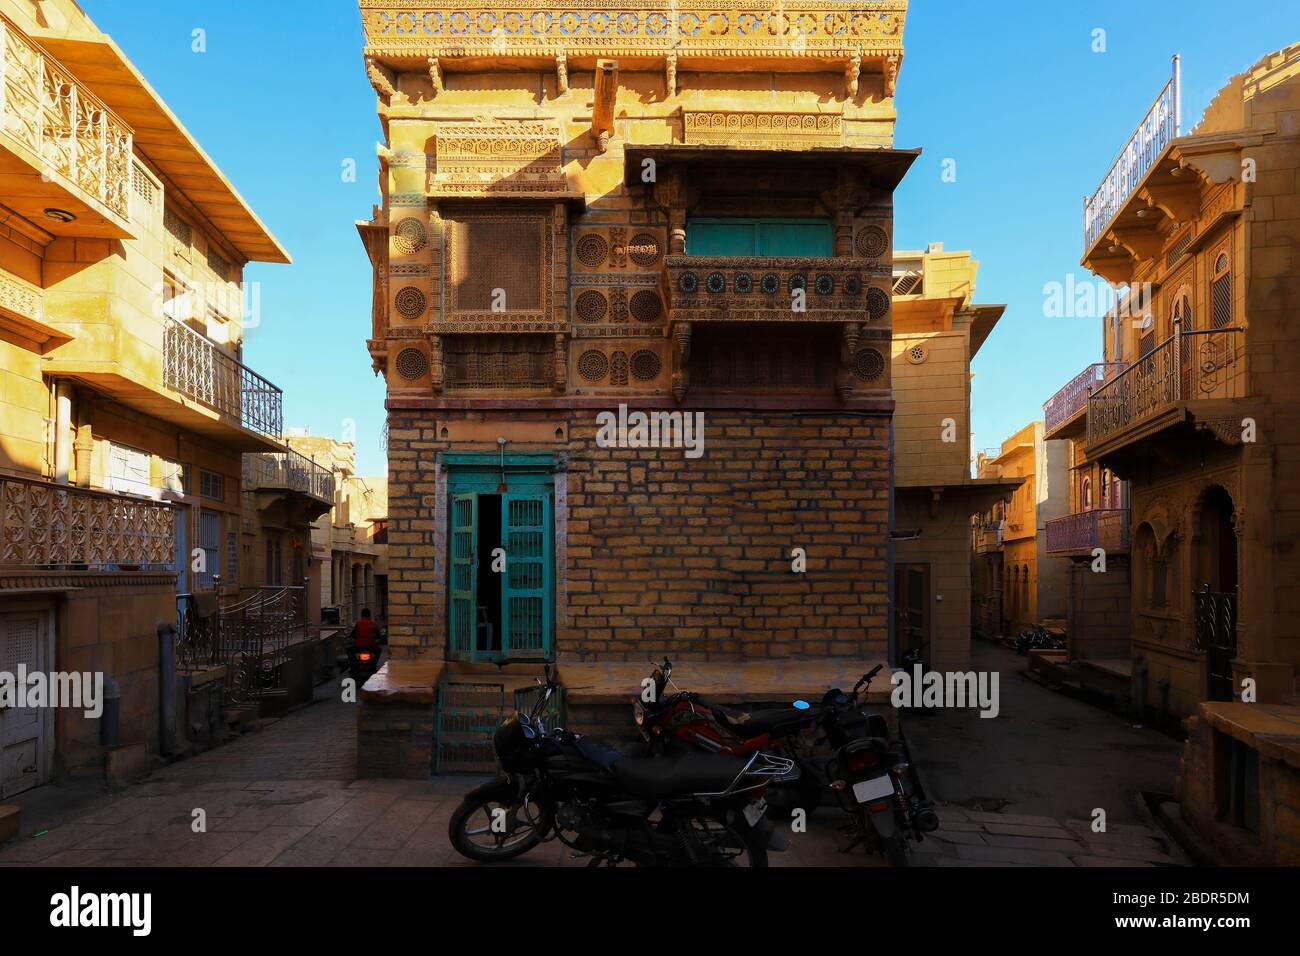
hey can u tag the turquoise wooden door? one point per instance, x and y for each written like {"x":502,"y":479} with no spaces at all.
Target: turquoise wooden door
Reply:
{"x":526,"y":604}
{"x":464,"y":574}
{"x":759,"y":237}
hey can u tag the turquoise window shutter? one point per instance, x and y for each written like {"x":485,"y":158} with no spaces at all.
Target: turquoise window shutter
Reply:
{"x":760,"y":237}
{"x":526,"y":593}
{"x":464,"y":574}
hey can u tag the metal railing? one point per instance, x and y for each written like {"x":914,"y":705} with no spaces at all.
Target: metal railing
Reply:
{"x":249,"y":638}
{"x":1187,"y":366}
{"x":195,"y":367}
{"x":75,"y":135}
{"x":1073,"y":398}
{"x":1160,"y":125}
{"x":44,"y":525}
{"x":287,"y":470}
{"x":1105,"y":528}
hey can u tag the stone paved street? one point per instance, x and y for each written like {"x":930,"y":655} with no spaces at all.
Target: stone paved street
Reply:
{"x":286,"y":796}
{"x":1016,"y":790}
{"x":1043,"y":764}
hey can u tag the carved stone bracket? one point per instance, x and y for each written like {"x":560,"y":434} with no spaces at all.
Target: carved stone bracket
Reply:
{"x":1226,"y":430}
{"x":670,"y":73}
{"x":891,"y":74}
{"x":435,"y":74}
{"x":562,"y":72}
{"x":382,"y":79}
{"x":851,"y":71}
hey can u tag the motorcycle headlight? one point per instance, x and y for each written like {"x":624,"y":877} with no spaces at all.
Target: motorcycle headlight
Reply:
{"x":638,"y":713}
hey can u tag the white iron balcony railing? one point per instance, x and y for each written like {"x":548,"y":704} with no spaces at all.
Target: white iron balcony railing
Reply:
{"x":1105,"y":528}
{"x":1188,"y":366}
{"x":195,"y":367}
{"x":288,"y":470}
{"x":44,"y":525}
{"x":1153,"y":134}
{"x":1073,"y":398}
{"x":75,"y":135}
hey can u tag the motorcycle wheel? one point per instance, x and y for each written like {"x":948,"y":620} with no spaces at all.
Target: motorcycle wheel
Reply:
{"x":470,"y":827}
{"x":896,"y":849}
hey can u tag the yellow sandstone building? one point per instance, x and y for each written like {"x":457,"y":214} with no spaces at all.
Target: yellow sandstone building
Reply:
{"x":1194,"y":410}
{"x":141,"y":465}
{"x":683,"y":209}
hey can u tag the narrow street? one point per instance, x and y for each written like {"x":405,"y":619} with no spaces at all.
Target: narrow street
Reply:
{"x":1021,"y":788}
{"x":286,"y":796}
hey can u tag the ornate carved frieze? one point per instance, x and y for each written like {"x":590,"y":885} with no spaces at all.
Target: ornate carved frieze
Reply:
{"x":792,"y":29}
{"x":739,"y":289}
{"x":19,"y":298}
{"x":518,"y":159}
{"x":742,"y":128}
{"x":641,"y":366}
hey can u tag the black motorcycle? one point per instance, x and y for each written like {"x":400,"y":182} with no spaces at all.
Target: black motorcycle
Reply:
{"x":690,"y":810}
{"x":872,"y":775}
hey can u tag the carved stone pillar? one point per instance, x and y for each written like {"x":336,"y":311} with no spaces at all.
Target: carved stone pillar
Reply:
{"x":561,"y":363}
{"x":681,"y":359}
{"x":848,"y":349}
{"x":436,"y":372}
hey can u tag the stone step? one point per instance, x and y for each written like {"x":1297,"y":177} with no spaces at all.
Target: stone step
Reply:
{"x":10,"y":821}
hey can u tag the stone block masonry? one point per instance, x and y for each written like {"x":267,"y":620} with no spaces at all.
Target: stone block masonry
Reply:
{"x":657,"y":553}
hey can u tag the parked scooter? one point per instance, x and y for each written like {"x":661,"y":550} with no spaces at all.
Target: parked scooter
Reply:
{"x":691,"y":810}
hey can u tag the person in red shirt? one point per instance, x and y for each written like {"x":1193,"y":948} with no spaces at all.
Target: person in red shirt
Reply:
{"x":365,"y":633}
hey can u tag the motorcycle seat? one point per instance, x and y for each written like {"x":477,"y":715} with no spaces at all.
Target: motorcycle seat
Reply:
{"x":752,"y":723}
{"x":668,"y":776}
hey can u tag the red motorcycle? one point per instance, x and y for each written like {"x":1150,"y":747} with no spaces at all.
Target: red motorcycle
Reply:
{"x":682,"y":722}
{"x":870,"y":775}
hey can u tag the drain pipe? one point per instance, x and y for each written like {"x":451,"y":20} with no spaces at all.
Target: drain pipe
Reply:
{"x":62,"y":426}
{"x":166,"y":688}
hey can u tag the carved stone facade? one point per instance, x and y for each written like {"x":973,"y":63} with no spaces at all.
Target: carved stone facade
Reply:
{"x":553,"y":263}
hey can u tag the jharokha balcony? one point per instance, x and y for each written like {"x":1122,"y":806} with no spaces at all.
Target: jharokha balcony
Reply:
{"x":64,"y":155}
{"x":1065,"y":413}
{"x":289,"y":474}
{"x":1193,"y":374}
{"x":1105,"y":528}
{"x":744,"y":289}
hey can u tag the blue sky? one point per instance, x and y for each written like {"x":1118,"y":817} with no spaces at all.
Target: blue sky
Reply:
{"x":1009,"y":90}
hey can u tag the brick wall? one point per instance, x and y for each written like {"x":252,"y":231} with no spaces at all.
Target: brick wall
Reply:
{"x":658,"y":553}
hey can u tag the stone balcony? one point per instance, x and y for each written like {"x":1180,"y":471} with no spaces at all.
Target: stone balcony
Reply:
{"x":288,"y":474}
{"x":759,"y":289}
{"x":1105,"y":528}
{"x":1065,"y":413}
{"x":1193,"y":375}
{"x":62,"y":527}
{"x":65,"y":156}
{"x":196,"y":368}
